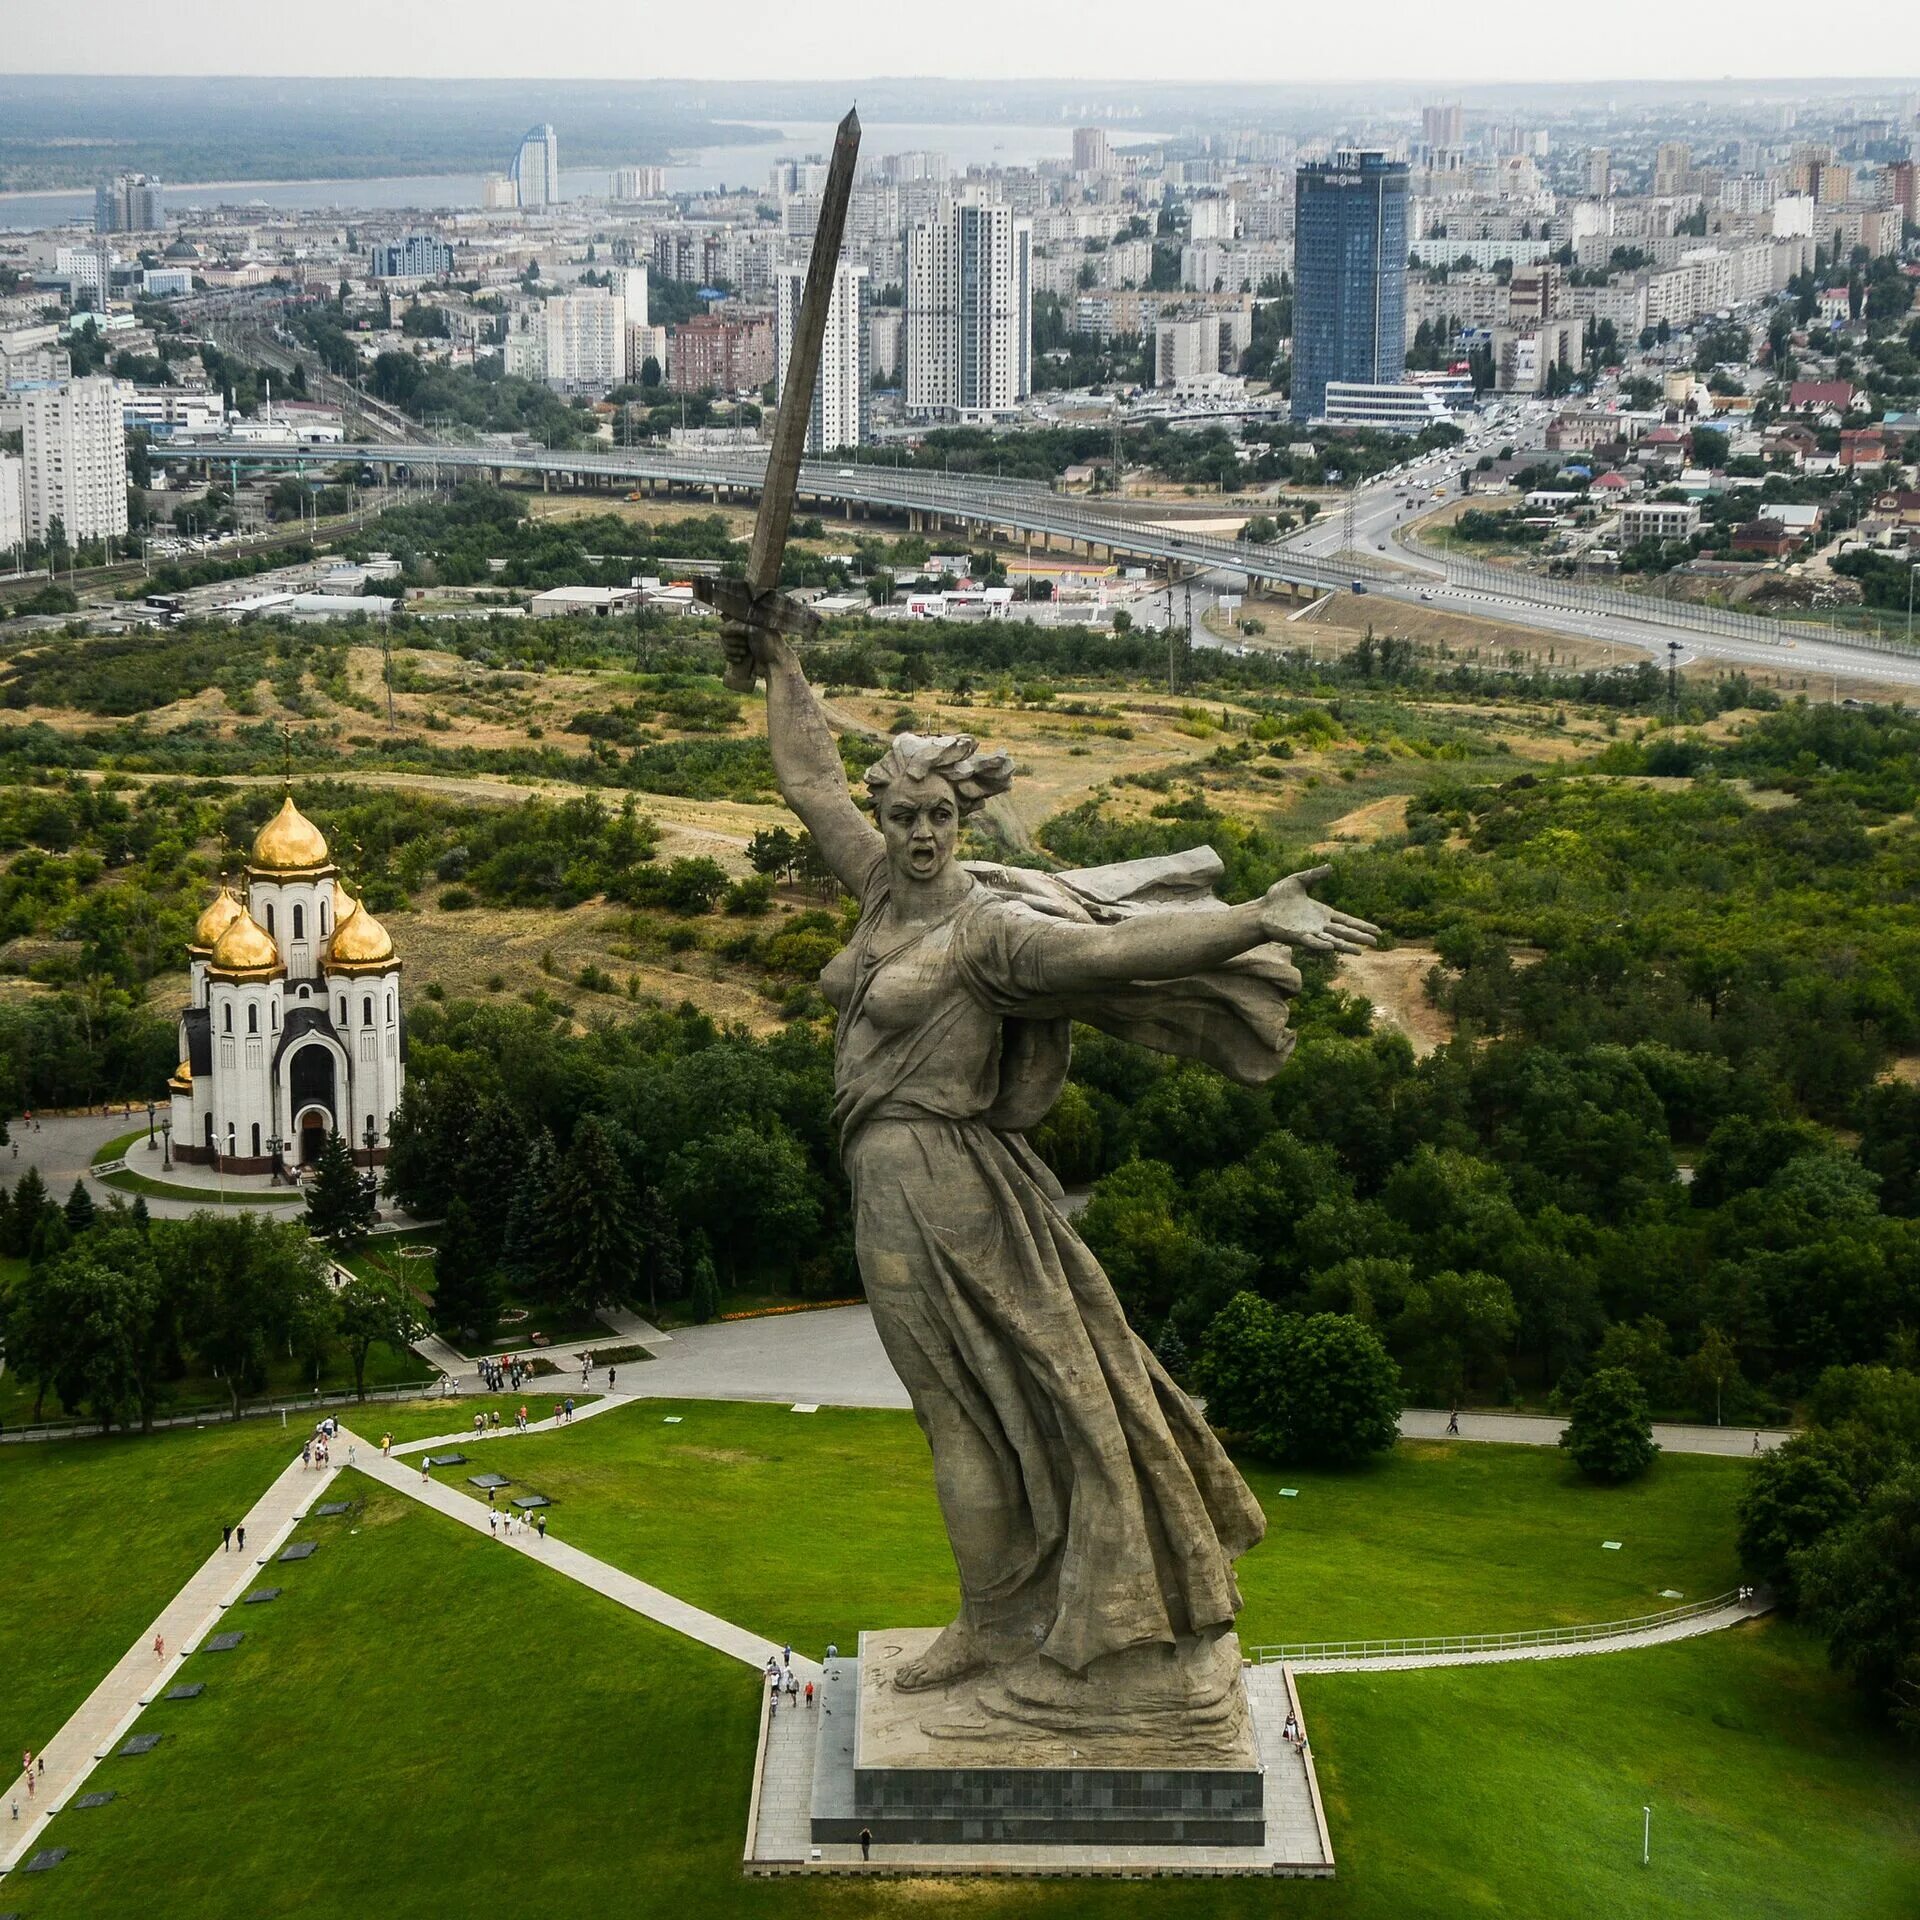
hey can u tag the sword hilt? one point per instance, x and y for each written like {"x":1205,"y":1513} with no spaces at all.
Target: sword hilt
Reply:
{"x":770,"y":612}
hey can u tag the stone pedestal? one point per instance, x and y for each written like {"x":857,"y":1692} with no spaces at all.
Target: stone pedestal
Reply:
{"x":926,"y":1770}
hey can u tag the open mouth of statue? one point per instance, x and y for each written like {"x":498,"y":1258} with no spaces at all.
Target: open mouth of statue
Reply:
{"x":923,"y":859}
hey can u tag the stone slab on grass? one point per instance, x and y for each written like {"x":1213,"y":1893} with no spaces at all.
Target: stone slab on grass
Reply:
{"x":300,"y":1550}
{"x":224,"y":1642}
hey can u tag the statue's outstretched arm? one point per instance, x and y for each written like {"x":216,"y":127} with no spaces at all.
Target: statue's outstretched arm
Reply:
{"x":805,"y":760}
{"x":1179,"y":941}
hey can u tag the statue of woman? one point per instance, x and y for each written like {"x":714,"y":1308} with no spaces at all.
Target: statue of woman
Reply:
{"x":1094,"y":1517}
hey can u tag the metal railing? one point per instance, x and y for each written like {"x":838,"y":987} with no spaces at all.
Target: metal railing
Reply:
{"x":1309,"y":1653}
{"x":219,"y":1413}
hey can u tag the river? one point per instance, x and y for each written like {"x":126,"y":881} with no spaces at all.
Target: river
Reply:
{"x":702,"y":169}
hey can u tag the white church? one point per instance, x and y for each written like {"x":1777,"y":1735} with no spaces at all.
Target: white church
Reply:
{"x":294,"y":1028}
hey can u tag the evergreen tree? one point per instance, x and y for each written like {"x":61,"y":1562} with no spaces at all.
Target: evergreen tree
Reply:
{"x":526,"y":1256}
{"x":22,"y":1214}
{"x":339,"y":1207}
{"x":665,"y":1259}
{"x":705,"y":1297}
{"x":51,"y":1236}
{"x":467,"y":1289}
{"x":79,"y":1209}
{"x":592,"y":1238}
{"x":1611,"y":1433}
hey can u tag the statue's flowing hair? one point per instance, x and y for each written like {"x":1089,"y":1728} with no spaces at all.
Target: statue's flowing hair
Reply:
{"x":975,"y":777}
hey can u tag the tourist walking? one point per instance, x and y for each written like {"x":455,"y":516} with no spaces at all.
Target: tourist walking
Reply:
{"x":540,"y":1525}
{"x":809,"y":1693}
{"x":240,"y":1537}
{"x":866,"y":1843}
{"x":159,"y":1647}
{"x":1453,"y":1424}
{"x":226,"y":1539}
{"x":609,"y":1379}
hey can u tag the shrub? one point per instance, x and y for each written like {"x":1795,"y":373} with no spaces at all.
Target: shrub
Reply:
{"x":456,"y":899}
{"x":1611,"y":1433}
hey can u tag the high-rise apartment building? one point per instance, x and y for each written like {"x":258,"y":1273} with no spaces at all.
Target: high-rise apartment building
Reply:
{"x":497,"y":192}
{"x":535,"y":171}
{"x":586,"y":341}
{"x":420,"y":256}
{"x":75,"y":459}
{"x":1599,"y":173}
{"x":1443,"y":127}
{"x":1091,"y":153}
{"x":637,"y":183}
{"x":13,"y":504}
{"x":1350,"y":273}
{"x":1900,"y":188}
{"x":630,"y":283}
{"x":129,"y":203}
{"x":842,"y":394}
{"x":969,"y":287}
{"x":718,"y":353}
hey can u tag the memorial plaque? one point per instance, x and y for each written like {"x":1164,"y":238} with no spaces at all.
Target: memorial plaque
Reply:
{"x":92,"y":1800}
{"x":260,"y":1596}
{"x":484,"y":1481}
{"x":186,"y":1690}
{"x":330,"y":1509}
{"x":139,"y":1743}
{"x":446,"y":1459}
{"x":526,"y":1502}
{"x":45,"y":1860}
{"x":300,"y":1550}
{"x":224,"y":1642}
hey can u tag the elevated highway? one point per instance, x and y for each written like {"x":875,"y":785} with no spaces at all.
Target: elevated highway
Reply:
{"x":934,"y":501}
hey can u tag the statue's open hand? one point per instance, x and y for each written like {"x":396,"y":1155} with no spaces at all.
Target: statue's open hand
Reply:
{"x":1291,"y":915}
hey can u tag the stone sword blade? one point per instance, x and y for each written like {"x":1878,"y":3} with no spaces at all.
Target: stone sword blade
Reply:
{"x":796,"y":391}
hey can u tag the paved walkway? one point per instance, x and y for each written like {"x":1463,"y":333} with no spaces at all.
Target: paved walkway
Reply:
{"x":833,"y":1357}
{"x":110,"y":1709}
{"x":697,"y":1624}
{"x":1731,"y":1615}
{"x":465,"y":1436}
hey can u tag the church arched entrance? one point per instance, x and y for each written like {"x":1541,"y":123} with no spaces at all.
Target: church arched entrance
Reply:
{"x":311,"y":1092}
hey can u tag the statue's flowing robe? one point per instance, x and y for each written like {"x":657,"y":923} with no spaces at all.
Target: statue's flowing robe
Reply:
{"x":1090,"y":1507}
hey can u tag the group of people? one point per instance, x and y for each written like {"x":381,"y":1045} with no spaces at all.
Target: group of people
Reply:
{"x":514,"y":1526}
{"x":317,"y":1454}
{"x":233,"y":1539}
{"x":508,"y":1374}
{"x":783,"y":1681}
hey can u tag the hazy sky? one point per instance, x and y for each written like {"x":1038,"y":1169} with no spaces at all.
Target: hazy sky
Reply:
{"x":1280,"y":40}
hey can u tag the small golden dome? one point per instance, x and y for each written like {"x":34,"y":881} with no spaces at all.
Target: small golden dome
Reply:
{"x":222,"y":911}
{"x":359,"y":941}
{"x":182,"y":1075}
{"x":289,"y":842}
{"x":245,"y":951}
{"x":343,"y":902}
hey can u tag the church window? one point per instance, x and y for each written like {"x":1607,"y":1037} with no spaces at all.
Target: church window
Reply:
{"x":270,"y":926}
{"x":323,"y":918}
{"x":229,"y":1139}
{"x":343,"y":1009}
{"x":389,"y":1009}
{"x":366,"y":1010}
{"x":253,"y":1017}
{"x":256,"y":1140}
{"x":299,"y":921}
{"x":276,"y":1016}
{"x":226,"y":1019}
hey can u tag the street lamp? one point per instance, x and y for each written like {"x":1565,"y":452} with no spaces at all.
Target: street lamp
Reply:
{"x":275,"y":1147}
{"x":152,"y":1108}
{"x":166,"y":1143}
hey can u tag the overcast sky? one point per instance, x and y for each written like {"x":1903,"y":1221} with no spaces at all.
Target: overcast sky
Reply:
{"x":1250,"y":40}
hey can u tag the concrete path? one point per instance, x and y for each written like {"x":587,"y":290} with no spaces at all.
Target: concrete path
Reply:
{"x":833,"y":1357}
{"x":636,"y":1595}
{"x":459,"y":1436}
{"x":96,"y":1726}
{"x":1731,"y":1615}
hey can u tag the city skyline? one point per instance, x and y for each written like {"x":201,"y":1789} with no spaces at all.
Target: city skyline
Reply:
{"x":1722,"y":42}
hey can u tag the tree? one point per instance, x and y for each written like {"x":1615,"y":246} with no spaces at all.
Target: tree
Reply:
{"x":1453,"y":1326}
{"x":340,"y":1209}
{"x":1714,"y":1367}
{"x":1611,"y":1433}
{"x":79,"y":1209}
{"x":1861,"y":1588}
{"x":252,"y":1288}
{"x":592,"y":1235}
{"x":705,"y":1297}
{"x":1314,"y":1388}
{"x":100,"y":1305}
{"x":24,"y":1208}
{"x":466,"y":1287}
{"x":371,"y":1307}
{"x":1797,"y":1494}
{"x":772,"y":850}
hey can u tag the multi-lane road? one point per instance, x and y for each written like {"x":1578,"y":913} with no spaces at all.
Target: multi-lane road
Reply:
{"x":1321,"y":558}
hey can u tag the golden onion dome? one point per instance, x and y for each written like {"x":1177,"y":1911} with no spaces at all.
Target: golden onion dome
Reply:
{"x":182,"y":1075}
{"x":289,"y":842}
{"x":221,"y":912}
{"x":343,"y":902}
{"x":359,"y":941}
{"x":245,"y":951}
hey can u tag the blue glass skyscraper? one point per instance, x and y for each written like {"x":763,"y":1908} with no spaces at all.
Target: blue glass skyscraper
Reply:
{"x":1350,"y":275}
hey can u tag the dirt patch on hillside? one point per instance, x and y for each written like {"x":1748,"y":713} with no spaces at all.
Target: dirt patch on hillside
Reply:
{"x":1364,"y":826}
{"x":1395,"y":982}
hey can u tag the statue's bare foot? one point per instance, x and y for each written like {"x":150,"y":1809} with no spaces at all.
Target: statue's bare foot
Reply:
{"x":958,"y":1650}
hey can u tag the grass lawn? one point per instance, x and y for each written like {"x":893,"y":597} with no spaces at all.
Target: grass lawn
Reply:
{"x":422,"y":1712}
{"x":96,"y":1536}
{"x":127,"y":1182}
{"x":816,"y":1525}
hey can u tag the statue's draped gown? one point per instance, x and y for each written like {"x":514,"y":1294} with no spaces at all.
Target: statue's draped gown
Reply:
{"x":1090,"y":1507}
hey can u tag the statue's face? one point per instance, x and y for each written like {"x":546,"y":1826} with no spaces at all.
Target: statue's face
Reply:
{"x":920,"y":820}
